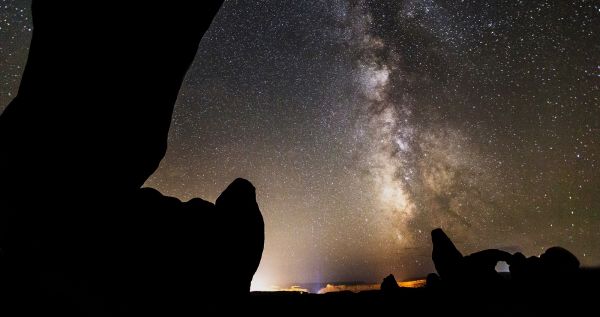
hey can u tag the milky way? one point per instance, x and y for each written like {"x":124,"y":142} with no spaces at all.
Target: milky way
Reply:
{"x":424,"y":174}
{"x":365,"y":124}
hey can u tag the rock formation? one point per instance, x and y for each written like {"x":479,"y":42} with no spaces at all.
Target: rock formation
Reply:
{"x":446,"y":257}
{"x":474,"y":269}
{"x":556,"y":267}
{"x":389,"y":284}
{"x":243,"y":250}
{"x":89,"y":125}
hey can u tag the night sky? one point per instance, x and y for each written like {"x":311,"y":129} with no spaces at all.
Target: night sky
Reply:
{"x":365,"y":124}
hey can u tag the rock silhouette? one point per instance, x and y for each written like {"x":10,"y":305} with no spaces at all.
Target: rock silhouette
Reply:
{"x":478,"y":268}
{"x":446,"y":257}
{"x":433,"y":280}
{"x":556,"y":266}
{"x":481,"y":266}
{"x":389,"y":284}
{"x":548,"y":285}
{"x":78,"y":234}
{"x":95,"y":101}
{"x":238,"y":202}
{"x":560,"y":260}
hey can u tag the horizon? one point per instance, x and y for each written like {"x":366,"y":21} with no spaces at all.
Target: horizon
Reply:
{"x":338,"y":286}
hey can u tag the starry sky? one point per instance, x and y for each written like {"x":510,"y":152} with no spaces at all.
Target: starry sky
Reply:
{"x":364,"y":124}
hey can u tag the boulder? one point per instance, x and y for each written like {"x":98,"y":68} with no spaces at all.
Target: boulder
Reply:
{"x":389,"y":284}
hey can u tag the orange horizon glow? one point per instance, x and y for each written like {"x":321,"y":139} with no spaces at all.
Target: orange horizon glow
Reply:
{"x":333,"y":288}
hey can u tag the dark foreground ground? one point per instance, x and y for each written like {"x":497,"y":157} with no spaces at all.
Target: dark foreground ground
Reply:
{"x":431,"y":302}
